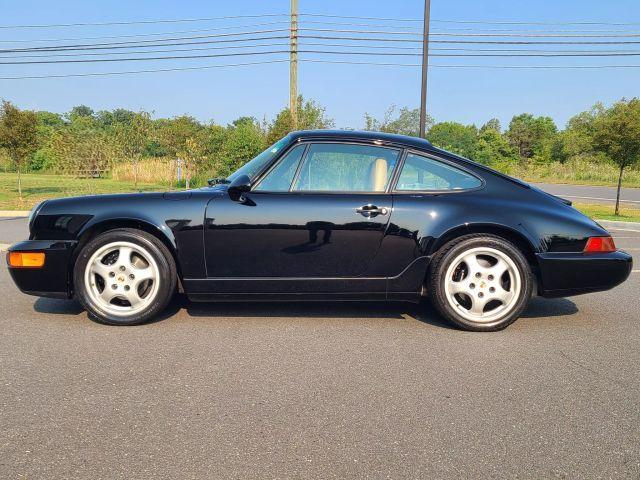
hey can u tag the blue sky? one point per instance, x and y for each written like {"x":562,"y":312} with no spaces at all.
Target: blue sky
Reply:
{"x":347,"y":91}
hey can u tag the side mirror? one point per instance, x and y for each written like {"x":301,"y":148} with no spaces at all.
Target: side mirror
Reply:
{"x":240,"y":185}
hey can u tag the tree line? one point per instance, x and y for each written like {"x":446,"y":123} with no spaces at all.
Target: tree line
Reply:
{"x":84,"y":142}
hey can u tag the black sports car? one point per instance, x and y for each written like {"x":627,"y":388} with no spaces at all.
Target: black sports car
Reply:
{"x":331,"y":215}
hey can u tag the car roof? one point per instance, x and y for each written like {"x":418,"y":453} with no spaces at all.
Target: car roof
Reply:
{"x":415,"y":142}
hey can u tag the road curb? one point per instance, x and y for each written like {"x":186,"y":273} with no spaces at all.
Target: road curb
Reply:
{"x":14,"y":213}
{"x":616,"y":223}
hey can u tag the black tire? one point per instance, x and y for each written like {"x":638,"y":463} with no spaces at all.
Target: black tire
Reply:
{"x":449,"y":252}
{"x":163,"y":259}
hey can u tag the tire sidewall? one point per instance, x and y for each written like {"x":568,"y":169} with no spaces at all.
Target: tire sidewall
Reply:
{"x":167,"y":280}
{"x":439,"y":279}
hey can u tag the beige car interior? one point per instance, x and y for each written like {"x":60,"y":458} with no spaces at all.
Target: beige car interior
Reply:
{"x":379,"y":172}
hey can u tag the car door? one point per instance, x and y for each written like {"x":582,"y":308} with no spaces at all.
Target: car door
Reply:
{"x":321,"y":212}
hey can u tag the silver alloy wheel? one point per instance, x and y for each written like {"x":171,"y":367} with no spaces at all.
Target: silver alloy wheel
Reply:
{"x":122,"y":278}
{"x":483,"y":284}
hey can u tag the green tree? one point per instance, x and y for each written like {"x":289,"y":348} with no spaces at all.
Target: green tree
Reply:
{"x":83,"y":147}
{"x":18,"y":136}
{"x":617,"y":133}
{"x":532,"y":136}
{"x":455,"y":137}
{"x":492,"y":124}
{"x":406,"y":122}
{"x":80,"y":111}
{"x":133,"y":136}
{"x":311,"y":116}
{"x":493,"y":149}
{"x":244,"y":141}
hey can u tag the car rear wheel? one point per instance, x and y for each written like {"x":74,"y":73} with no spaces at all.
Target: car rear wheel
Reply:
{"x":480,"y":282}
{"x":124,"y":277}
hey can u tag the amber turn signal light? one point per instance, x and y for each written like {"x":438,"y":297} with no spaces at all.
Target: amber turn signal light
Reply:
{"x":600,"y":245}
{"x":26,"y":259}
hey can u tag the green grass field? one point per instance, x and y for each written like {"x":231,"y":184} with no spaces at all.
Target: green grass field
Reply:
{"x":37,"y":187}
{"x":605,"y":212}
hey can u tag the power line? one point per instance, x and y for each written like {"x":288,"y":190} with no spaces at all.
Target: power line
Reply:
{"x":201,"y":42}
{"x":317,"y":44}
{"x":139,"y":42}
{"x":393,"y":64}
{"x":478,"y":22}
{"x":474,"y":42}
{"x":499,"y":35}
{"x":181,"y":42}
{"x":131,"y":59}
{"x":145,"y":52}
{"x":142,"y":22}
{"x":313,"y":15}
{"x":323,"y":52}
{"x":137,"y":35}
{"x":284,"y":22}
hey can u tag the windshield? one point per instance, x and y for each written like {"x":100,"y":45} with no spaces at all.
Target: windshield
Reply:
{"x":253,"y":167}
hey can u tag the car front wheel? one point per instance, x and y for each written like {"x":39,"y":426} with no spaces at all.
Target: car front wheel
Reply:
{"x":124,"y":277}
{"x":480,"y":282}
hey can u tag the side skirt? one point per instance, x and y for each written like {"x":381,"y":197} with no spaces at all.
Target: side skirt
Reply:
{"x":405,"y":287}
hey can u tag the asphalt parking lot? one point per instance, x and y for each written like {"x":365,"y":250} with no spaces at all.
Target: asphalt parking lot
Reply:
{"x":321,"y":390}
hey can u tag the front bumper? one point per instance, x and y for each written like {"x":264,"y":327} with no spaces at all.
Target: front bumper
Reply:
{"x":567,"y":274}
{"x":51,"y":280}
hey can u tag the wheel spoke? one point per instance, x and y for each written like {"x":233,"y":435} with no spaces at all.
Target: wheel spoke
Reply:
{"x":108,"y":294}
{"x":458,"y":287}
{"x":124,"y":256}
{"x":143,"y":274}
{"x":472,"y":263}
{"x":499,"y":268}
{"x":502,"y":295}
{"x":477,"y":305}
{"x":99,"y":268}
{"x":133,"y":298}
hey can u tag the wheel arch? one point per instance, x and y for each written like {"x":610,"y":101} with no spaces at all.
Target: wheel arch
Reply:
{"x":518,"y":238}
{"x":94,"y":229}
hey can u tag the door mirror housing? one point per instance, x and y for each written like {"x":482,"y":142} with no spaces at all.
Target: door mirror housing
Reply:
{"x":238,"y":186}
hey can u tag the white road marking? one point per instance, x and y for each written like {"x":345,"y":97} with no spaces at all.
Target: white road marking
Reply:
{"x":4,"y":247}
{"x":601,"y":198}
{"x":635,"y":271}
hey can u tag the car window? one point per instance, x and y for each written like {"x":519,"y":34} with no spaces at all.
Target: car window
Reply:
{"x":280,"y":177}
{"x":255,"y":166}
{"x":423,"y":173}
{"x":339,"y":167}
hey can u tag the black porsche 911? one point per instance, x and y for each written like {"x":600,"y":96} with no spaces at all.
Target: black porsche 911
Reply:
{"x":323,"y":215}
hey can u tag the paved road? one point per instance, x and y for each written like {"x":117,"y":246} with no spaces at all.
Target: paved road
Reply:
{"x":327,"y":391}
{"x":13,"y":230}
{"x":592,"y":194}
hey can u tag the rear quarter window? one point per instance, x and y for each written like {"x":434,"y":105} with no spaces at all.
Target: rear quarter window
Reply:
{"x":420,"y":173}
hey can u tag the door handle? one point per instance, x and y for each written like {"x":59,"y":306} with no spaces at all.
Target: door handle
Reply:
{"x":371,"y":210}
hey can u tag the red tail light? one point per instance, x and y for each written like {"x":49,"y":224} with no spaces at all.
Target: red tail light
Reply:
{"x":600,"y":245}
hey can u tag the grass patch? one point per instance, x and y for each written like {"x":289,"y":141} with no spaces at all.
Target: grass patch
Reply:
{"x":605,"y":212}
{"x":38,"y":187}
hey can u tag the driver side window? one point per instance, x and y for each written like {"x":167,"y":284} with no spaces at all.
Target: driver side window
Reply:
{"x":280,"y":177}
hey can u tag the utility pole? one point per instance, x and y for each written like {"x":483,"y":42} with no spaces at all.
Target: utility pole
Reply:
{"x":293,"y":66}
{"x":425,"y":67}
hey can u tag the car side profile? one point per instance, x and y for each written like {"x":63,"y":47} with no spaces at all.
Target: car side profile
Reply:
{"x":323,"y":215}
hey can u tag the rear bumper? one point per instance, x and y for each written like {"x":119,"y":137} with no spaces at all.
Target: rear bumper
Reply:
{"x":567,"y":274}
{"x":53,"y":279}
